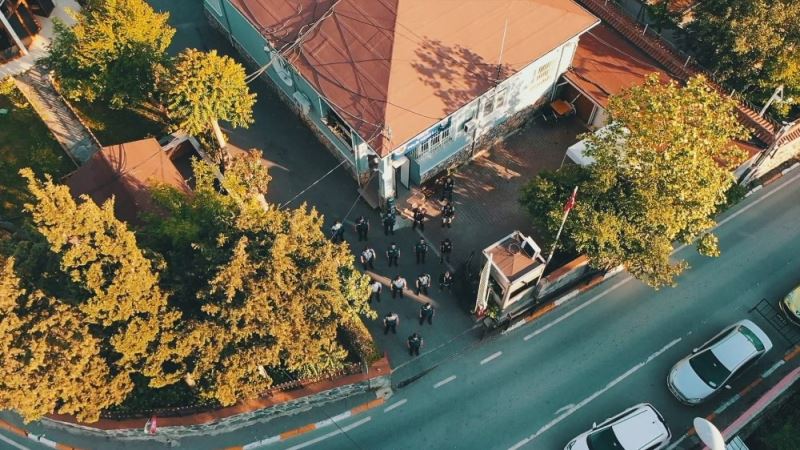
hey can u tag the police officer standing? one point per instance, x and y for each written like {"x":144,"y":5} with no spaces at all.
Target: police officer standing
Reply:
{"x":423,"y":283}
{"x":368,"y":258}
{"x":448,"y":212}
{"x":447,"y":190}
{"x":419,"y":218}
{"x":390,"y":322}
{"x":421,"y":249}
{"x":389,"y":220}
{"x":426,"y":312}
{"x":445,"y":248}
{"x":414,"y":344}
{"x":337,"y":232}
{"x":376,"y":287}
{"x":362,"y":227}
{"x":446,"y":281}
{"x":398,"y":286}
{"x":393,"y":254}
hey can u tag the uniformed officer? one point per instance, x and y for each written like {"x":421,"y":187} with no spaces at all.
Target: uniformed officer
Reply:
{"x":426,"y":312}
{"x":376,"y":288}
{"x":448,"y":212}
{"x":362,"y":227}
{"x":337,"y":232}
{"x":389,"y":220}
{"x":419,"y":218}
{"x":390,"y":322}
{"x":414,"y":344}
{"x":393,"y":254}
{"x":447,"y":190}
{"x":445,"y":248}
{"x":446,"y":281}
{"x":421,"y":249}
{"x":368,"y":258}
{"x":398,"y":286}
{"x":423,"y":283}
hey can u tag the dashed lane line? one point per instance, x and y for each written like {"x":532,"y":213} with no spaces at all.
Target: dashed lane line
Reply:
{"x":13,"y":443}
{"x":395,"y":405}
{"x":445,"y":381}
{"x":331,"y":434}
{"x":590,"y":398}
{"x":490,"y":357}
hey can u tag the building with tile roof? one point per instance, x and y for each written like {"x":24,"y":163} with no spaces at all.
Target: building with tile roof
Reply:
{"x":403,"y":88}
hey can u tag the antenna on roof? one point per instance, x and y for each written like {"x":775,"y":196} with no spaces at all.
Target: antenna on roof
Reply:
{"x":500,"y":58}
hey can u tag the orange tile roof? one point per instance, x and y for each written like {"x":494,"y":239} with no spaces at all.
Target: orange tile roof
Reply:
{"x":605,"y":64}
{"x":126,"y":171}
{"x":406,"y":64}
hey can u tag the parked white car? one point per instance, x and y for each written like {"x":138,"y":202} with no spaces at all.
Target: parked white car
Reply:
{"x":639,"y":427}
{"x":710,"y":367}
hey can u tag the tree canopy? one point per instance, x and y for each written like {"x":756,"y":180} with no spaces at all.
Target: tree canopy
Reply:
{"x":751,"y":45}
{"x":203,"y":88}
{"x":112,"y":52}
{"x":661,"y":170}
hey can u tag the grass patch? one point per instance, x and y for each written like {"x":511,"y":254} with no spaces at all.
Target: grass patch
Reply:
{"x":116,"y":126}
{"x":25,"y":141}
{"x":781,"y":430}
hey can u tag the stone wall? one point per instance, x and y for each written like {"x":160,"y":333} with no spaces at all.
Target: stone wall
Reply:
{"x":246,"y":414}
{"x":564,"y":276}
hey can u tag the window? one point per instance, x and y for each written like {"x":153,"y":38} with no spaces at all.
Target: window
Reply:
{"x":488,"y":104}
{"x":544,"y":74}
{"x":435,"y":141}
{"x":709,"y":368}
{"x":500,"y":98}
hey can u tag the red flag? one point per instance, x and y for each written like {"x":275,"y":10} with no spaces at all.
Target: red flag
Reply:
{"x":571,"y":201}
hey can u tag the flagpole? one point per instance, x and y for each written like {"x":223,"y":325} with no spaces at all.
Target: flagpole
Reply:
{"x":567,"y":209}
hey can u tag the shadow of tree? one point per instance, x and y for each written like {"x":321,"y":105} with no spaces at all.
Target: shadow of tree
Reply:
{"x":456,"y":74}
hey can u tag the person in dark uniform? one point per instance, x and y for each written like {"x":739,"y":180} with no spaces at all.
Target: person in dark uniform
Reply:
{"x":362,"y":227}
{"x":446,"y":281}
{"x":447,"y":189}
{"x":390,"y":322}
{"x":368,"y":258}
{"x":376,"y":288}
{"x":421,"y":249}
{"x":393,"y":254}
{"x":423,"y":283}
{"x":419,"y":218}
{"x":445,"y":248}
{"x":398,"y":286}
{"x":337,"y":232}
{"x":389,"y":220}
{"x":414,"y":344}
{"x":426,"y":312}
{"x":448,"y":212}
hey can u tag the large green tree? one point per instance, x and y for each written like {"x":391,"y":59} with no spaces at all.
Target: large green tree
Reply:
{"x":112,"y":52}
{"x":204,"y":88}
{"x":262,"y":289}
{"x":751,"y":45}
{"x":80,"y":312}
{"x":661,"y":170}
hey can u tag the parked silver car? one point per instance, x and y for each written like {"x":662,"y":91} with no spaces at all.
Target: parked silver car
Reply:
{"x":639,"y":427}
{"x":710,"y":367}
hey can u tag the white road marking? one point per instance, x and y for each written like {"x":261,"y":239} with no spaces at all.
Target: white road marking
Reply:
{"x":13,"y":443}
{"x":681,"y":247}
{"x":395,"y":405}
{"x":490,"y":357}
{"x":578,"y":308}
{"x":773,"y":368}
{"x":331,"y":434}
{"x":445,"y":381}
{"x":678,"y":442}
{"x":589,"y":399}
{"x":565,"y":408}
{"x":727,"y":404}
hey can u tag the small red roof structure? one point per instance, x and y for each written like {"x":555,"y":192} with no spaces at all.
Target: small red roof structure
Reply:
{"x":404,"y":65}
{"x":126,"y":171}
{"x":606,"y":64}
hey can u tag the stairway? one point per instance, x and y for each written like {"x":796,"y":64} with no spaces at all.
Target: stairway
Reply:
{"x":67,"y":128}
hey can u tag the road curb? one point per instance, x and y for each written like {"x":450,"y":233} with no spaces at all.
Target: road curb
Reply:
{"x":294,"y":432}
{"x":33,"y":437}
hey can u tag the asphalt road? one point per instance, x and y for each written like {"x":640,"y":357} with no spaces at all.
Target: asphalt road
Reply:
{"x":540,"y":385}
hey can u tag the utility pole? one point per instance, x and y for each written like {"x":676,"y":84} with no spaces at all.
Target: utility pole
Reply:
{"x":766,"y":154}
{"x":567,"y":208}
{"x":777,"y":95}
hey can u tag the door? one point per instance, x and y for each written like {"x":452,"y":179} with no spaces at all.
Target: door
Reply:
{"x":402,"y":168}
